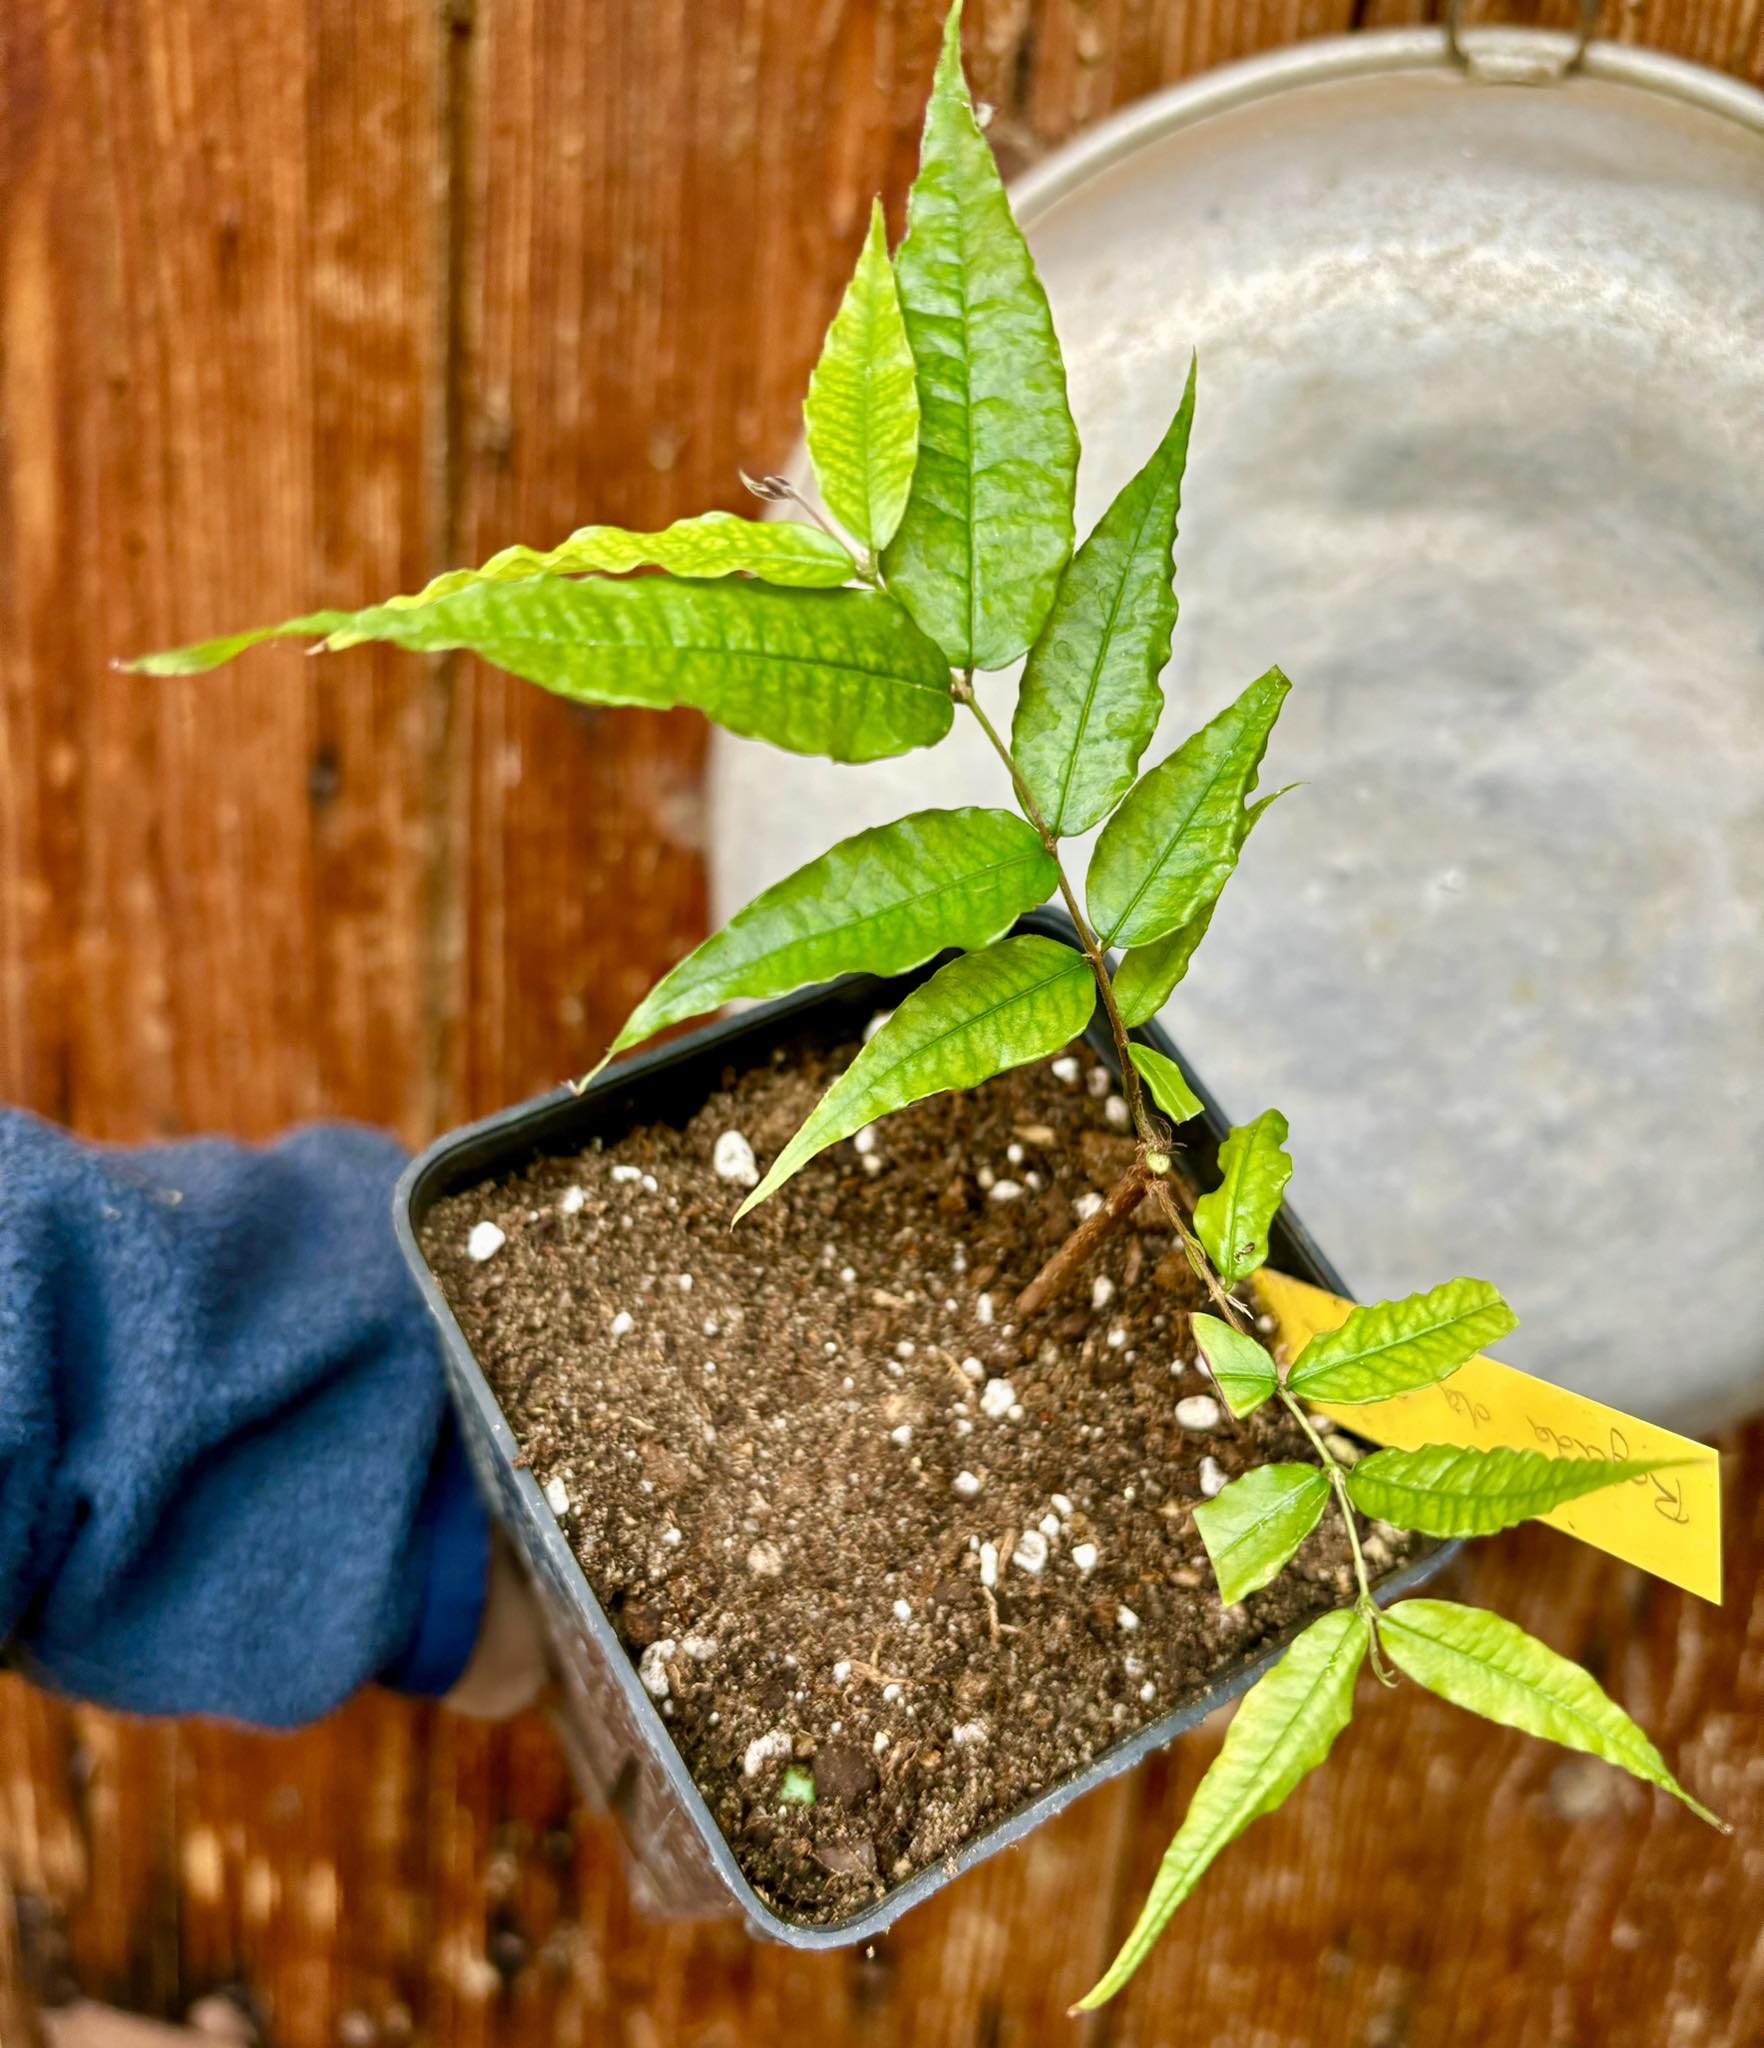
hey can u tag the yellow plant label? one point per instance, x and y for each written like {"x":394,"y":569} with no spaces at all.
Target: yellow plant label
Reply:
{"x":1668,"y":1522}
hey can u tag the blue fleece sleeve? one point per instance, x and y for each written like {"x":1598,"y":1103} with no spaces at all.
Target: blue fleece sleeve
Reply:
{"x":229,"y":1479}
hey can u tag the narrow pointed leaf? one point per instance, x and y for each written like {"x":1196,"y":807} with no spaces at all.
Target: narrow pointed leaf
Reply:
{"x":1393,"y":1347}
{"x":1233,"y":1221}
{"x":1090,"y":696}
{"x":1252,"y":1529}
{"x":1170,"y":848}
{"x":1147,"y":976}
{"x":714,"y":544}
{"x":1284,"y":1729}
{"x":862,"y":411}
{"x":1241,"y":1368}
{"x":783,"y":551}
{"x":1453,"y":1490}
{"x":879,"y":902}
{"x":1167,"y":1082}
{"x":1485,"y":1663}
{"x":1020,"y":1000}
{"x":988,"y":527}
{"x":838,"y":672}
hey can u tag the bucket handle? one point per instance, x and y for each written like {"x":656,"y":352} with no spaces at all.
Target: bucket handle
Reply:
{"x":1511,"y":63}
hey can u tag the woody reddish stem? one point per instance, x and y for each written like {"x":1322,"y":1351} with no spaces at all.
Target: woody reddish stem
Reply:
{"x":1122,"y":1199}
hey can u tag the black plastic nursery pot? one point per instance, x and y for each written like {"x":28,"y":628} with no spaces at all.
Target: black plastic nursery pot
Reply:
{"x":618,"y":1741}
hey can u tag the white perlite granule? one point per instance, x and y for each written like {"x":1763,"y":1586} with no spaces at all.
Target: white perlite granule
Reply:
{"x":733,"y":1160}
{"x":486,"y":1240}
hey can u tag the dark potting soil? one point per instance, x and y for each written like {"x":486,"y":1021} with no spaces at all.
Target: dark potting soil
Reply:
{"x":891,"y":1560}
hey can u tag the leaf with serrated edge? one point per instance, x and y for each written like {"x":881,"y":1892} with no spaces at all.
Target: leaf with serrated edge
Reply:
{"x":1167,"y":1082}
{"x":1456,"y":1490}
{"x":1284,"y":1729}
{"x":862,"y":410}
{"x":988,"y":527}
{"x":1090,"y":697}
{"x":1233,"y":1220}
{"x":713,"y":544}
{"x":1241,"y":1368}
{"x":1020,"y":1000}
{"x":1485,"y":1663}
{"x":1170,"y":848}
{"x":1254,"y":1526}
{"x":881,"y":902}
{"x":1393,"y":1347}
{"x":1147,"y":976}
{"x":844,"y":673}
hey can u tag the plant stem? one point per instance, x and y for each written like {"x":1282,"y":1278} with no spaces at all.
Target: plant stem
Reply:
{"x":1151,"y":1138}
{"x":1197,"y":1258}
{"x":1338,"y":1483}
{"x":1123,"y":1198}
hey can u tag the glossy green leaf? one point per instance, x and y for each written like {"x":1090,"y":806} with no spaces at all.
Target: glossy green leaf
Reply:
{"x":1252,"y":1529}
{"x":1147,"y":976}
{"x":838,"y":672}
{"x":1242,"y":1369}
{"x":1284,"y":1729}
{"x":1234,"y":1219}
{"x":1484,"y":1662}
{"x":1020,"y":1000}
{"x":1167,"y":1082}
{"x":862,"y":411}
{"x":1393,"y":1347}
{"x":988,"y":527}
{"x":879,"y":902}
{"x":1090,"y":696}
{"x":1170,"y":848}
{"x":1453,"y":1490}
{"x":712,"y":545}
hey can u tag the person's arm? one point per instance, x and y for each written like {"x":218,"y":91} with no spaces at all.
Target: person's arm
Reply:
{"x":230,"y":1482}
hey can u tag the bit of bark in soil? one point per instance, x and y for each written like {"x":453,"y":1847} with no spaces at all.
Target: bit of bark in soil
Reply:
{"x":771,"y":1473}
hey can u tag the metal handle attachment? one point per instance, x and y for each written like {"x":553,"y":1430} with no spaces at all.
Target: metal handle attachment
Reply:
{"x":1518,"y":61}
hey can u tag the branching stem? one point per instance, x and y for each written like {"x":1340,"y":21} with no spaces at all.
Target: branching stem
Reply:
{"x":1337,"y":1478}
{"x":1123,"y":1198}
{"x":1152,"y":1137}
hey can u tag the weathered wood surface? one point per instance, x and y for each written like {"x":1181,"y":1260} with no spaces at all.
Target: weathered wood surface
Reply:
{"x":298,"y":304}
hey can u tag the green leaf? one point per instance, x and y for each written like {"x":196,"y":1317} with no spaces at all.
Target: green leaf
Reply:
{"x":1167,"y":1082}
{"x":1453,"y":1490}
{"x":1020,"y":1000}
{"x":862,"y":411}
{"x":1484,"y":1662}
{"x":1090,"y":698}
{"x":879,"y":902}
{"x":199,"y":658}
{"x":1284,"y":1729}
{"x":1147,"y":976}
{"x":1244,"y":1372}
{"x":1252,"y":1529}
{"x":1170,"y":848}
{"x":1233,"y":1221}
{"x":838,"y":672}
{"x":988,"y":527}
{"x":1393,"y":1347}
{"x":714,"y":544}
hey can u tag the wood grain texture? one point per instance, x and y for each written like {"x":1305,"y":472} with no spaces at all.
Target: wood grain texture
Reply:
{"x":298,"y":303}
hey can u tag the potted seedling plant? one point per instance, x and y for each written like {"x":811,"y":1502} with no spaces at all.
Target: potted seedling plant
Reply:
{"x":958,"y":1473}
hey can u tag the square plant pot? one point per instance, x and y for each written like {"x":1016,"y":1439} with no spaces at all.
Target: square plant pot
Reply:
{"x":618,"y":1742}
